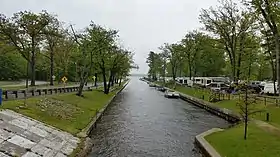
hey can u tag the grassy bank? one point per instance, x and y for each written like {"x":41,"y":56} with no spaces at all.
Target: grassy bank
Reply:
{"x":230,"y":143}
{"x":67,"y":112}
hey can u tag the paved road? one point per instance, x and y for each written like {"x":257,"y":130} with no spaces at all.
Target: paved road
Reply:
{"x":142,"y":123}
{"x":23,"y":83}
{"x":22,"y":136}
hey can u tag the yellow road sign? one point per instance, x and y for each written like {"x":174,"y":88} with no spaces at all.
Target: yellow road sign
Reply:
{"x":64,"y":79}
{"x":93,"y":78}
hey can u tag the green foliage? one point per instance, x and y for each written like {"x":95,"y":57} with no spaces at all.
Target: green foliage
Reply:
{"x":12,"y":66}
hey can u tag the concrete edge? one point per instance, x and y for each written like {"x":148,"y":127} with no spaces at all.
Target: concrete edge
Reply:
{"x":85,"y":133}
{"x":204,"y":145}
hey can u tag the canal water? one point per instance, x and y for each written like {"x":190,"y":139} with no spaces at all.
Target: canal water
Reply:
{"x":141,"y":122}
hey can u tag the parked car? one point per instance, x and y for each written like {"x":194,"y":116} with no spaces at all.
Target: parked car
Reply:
{"x":218,"y":86}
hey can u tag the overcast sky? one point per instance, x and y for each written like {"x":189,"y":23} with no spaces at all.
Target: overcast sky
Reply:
{"x":143,"y":25}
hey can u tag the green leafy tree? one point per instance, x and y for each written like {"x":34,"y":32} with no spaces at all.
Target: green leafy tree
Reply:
{"x":232,"y":24}
{"x":268,"y":11}
{"x":24,"y":31}
{"x":53,"y":34}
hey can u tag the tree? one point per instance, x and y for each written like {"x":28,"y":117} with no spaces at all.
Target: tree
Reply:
{"x":66,"y":58}
{"x":105,"y":59}
{"x":203,"y":55}
{"x":164,"y":57}
{"x":85,"y":48}
{"x":24,"y":32}
{"x":52,"y":33}
{"x":270,"y":10}
{"x":153,"y":61}
{"x":174,"y":53}
{"x":12,"y":66}
{"x":190,"y":50}
{"x":247,"y":107}
{"x":232,"y":25}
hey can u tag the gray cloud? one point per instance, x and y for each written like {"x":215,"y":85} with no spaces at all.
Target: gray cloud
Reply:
{"x":143,"y":25}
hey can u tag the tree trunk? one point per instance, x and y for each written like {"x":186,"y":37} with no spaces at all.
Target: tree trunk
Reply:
{"x":52,"y":67}
{"x":238,"y":66}
{"x":27,"y":74}
{"x":164,"y":69}
{"x":120,"y":81}
{"x":95,"y":81}
{"x":83,"y":80}
{"x":104,"y":81}
{"x":249,"y":71}
{"x":233,"y":73}
{"x":245,"y":128}
{"x":277,"y":46}
{"x":190,"y":71}
{"x":113,"y":81}
{"x":109,"y":84}
{"x":246,"y":113}
{"x":81,"y":87}
{"x":273,"y":74}
{"x":33,"y":69}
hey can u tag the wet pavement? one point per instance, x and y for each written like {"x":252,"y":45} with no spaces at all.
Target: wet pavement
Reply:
{"x":23,"y":136}
{"x":142,"y":122}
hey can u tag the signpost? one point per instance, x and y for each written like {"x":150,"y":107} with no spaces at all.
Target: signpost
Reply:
{"x":93,"y":79}
{"x":64,"y":79}
{"x":1,"y":96}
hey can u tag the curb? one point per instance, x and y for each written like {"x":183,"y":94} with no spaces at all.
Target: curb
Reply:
{"x":90,"y":127}
{"x":205,"y":146}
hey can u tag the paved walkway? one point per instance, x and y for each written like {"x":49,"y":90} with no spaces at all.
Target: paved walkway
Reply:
{"x":23,"y":136}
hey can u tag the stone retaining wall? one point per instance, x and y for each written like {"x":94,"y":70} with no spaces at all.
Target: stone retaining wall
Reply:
{"x":221,"y":112}
{"x":205,"y":147}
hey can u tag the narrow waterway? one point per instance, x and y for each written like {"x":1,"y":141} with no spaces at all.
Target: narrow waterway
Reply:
{"x":142,"y":122}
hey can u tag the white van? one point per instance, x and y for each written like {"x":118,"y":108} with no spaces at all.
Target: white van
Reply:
{"x":269,"y":88}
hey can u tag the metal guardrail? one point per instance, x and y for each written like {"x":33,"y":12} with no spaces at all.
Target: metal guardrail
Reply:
{"x":24,"y":93}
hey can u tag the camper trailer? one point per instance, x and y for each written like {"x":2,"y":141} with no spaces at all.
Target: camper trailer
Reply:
{"x":269,"y":88}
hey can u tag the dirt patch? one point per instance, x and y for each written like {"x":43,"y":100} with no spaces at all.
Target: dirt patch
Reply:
{"x":268,"y":127}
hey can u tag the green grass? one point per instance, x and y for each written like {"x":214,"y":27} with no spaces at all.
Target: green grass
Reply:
{"x":230,"y":143}
{"x":67,"y":112}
